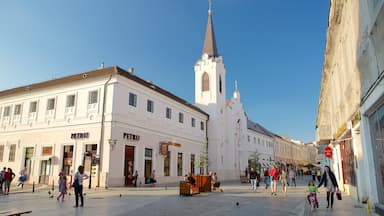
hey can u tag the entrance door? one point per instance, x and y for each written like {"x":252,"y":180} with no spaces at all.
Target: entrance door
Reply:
{"x":129,"y":165}
{"x":45,"y":171}
{"x":148,"y":163}
{"x":27,"y":161}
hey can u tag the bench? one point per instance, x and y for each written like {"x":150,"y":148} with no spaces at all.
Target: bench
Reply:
{"x":14,"y":212}
{"x":186,"y":190}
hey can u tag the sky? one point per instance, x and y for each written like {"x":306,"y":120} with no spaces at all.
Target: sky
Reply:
{"x":274,"y":49}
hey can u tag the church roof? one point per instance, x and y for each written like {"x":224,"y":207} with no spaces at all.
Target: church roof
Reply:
{"x":258,"y":128}
{"x":210,"y":41}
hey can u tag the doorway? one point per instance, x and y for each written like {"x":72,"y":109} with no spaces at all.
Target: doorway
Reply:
{"x":148,"y":164}
{"x":45,"y":169}
{"x":129,"y":163}
{"x":27,"y":160}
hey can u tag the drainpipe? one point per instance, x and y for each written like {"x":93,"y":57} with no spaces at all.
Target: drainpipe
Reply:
{"x":206,"y":135}
{"x":102,"y":131}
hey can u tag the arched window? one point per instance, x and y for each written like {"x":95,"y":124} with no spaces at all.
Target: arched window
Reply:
{"x":205,"y":82}
{"x":220,"y":84}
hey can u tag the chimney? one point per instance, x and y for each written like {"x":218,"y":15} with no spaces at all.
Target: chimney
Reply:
{"x":131,"y":70}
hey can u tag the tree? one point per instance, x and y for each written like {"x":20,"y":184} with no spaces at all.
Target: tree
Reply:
{"x":203,"y":160}
{"x":253,"y":161}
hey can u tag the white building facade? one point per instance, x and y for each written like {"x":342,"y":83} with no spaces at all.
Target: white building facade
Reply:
{"x":109,"y":120}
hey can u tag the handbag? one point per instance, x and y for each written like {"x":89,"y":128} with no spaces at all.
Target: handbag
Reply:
{"x":75,"y":183}
{"x":338,"y":194}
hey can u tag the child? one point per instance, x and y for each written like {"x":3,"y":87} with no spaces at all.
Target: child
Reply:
{"x":62,"y":187}
{"x":312,"y":189}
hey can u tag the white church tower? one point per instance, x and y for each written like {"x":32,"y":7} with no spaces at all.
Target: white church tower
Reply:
{"x":210,"y":96}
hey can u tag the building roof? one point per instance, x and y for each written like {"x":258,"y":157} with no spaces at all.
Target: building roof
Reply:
{"x":258,"y":128}
{"x":210,"y":40}
{"x":98,"y":73}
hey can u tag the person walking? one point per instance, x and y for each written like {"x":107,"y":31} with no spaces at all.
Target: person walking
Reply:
{"x":22,"y":177}
{"x":283,"y":180}
{"x":292,"y":176}
{"x":62,"y":187}
{"x":135,"y":176}
{"x":78,"y":185}
{"x":318,"y":175}
{"x":153,"y":178}
{"x":266,"y":177}
{"x":329,"y":180}
{"x":8,"y":177}
{"x":2,"y":173}
{"x":252,"y":178}
{"x":313,"y":173}
{"x":274,"y":175}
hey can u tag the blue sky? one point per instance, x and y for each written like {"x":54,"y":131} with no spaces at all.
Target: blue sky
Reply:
{"x":274,"y":49}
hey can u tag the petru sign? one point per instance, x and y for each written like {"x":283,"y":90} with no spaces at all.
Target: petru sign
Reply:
{"x":328,"y":152}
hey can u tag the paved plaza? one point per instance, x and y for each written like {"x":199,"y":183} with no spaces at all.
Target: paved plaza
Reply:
{"x":161,"y":200}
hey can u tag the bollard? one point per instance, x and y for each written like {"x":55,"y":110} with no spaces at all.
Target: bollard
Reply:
{"x":53,"y":185}
{"x":33,"y":187}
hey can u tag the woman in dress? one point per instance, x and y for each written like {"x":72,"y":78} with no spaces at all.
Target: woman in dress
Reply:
{"x":330,"y":183}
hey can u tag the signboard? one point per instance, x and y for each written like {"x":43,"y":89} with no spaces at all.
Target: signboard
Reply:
{"x":328,"y":152}
{"x":47,"y":151}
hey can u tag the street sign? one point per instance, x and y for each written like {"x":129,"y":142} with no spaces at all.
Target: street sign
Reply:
{"x":328,"y":152}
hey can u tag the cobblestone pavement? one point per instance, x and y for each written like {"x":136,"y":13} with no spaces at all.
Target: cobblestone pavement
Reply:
{"x":166,"y":201}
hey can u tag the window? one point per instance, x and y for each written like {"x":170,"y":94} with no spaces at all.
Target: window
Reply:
{"x":132,"y":99}
{"x":254,"y":140}
{"x":1,"y":152}
{"x":71,"y":100}
{"x":249,"y":138}
{"x":33,"y":106}
{"x":167,"y":162}
{"x":179,"y":164}
{"x":92,"y":97}
{"x":193,"y":122}
{"x":168,"y":113}
{"x":17,"y":110}
{"x":150,"y":106}
{"x":51,"y":104}
{"x":181,"y":117}
{"x":205,"y":82}
{"x":192,"y":164}
{"x":7,"y":111}
{"x":202,"y":125}
{"x":12,"y":153}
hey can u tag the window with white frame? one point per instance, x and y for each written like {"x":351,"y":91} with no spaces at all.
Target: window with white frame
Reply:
{"x":93,"y":97}
{"x":150,"y":106}
{"x":1,"y":152}
{"x":17,"y":110}
{"x":51,"y":104}
{"x":168,"y":113}
{"x":71,"y":100}
{"x":33,"y":106}
{"x":7,"y":111}
{"x":12,"y":153}
{"x":132,"y":99}
{"x":193,"y":122}
{"x":181,"y":117}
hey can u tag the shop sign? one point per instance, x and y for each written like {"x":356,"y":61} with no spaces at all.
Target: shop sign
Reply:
{"x":328,"y":152}
{"x":84,"y":135}
{"x":129,"y":136}
{"x":47,"y":151}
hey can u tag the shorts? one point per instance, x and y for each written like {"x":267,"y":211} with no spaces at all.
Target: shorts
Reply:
{"x":273,"y":183}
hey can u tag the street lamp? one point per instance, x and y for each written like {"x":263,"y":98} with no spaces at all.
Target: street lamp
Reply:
{"x":112,"y":143}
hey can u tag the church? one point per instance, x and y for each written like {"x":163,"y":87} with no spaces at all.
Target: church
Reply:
{"x":115,"y":123}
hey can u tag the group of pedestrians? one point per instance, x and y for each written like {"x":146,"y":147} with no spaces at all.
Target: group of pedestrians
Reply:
{"x":6,"y":177}
{"x":287,"y":177}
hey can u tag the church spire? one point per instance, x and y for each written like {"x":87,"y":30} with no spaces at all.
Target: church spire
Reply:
{"x":210,"y":41}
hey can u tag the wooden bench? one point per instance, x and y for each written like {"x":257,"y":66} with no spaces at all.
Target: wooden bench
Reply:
{"x":185,"y":189}
{"x":14,"y":212}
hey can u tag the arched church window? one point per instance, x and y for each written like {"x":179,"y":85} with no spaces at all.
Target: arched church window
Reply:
{"x":220,"y":84}
{"x":205,"y":82}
